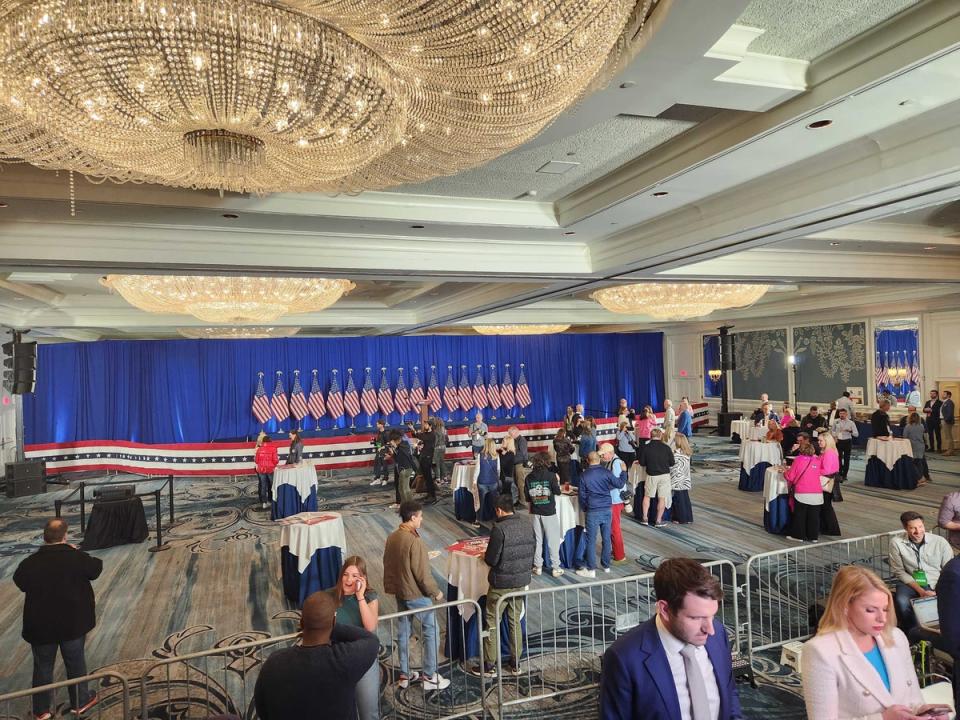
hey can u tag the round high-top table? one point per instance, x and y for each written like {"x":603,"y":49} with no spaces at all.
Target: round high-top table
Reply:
{"x":890,"y":465}
{"x":755,"y":458}
{"x":294,"y":490}
{"x":312,"y":547}
{"x":776,"y":502}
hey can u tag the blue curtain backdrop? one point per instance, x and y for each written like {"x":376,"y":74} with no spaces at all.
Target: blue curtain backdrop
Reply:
{"x":711,"y":361}
{"x":201,"y":390}
{"x":894,"y":346}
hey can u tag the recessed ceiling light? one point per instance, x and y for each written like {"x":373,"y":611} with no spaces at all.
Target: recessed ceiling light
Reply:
{"x":416,"y":227}
{"x":230,"y":216}
{"x":532,"y":193}
{"x":571,"y":153}
{"x":817,"y":124}
{"x":627,"y":84}
{"x":569,"y":232}
{"x":613,"y":223}
{"x":834,"y":244}
{"x":930,"y":247}
{"x":660,"y":193}
{"x":3,"y":205}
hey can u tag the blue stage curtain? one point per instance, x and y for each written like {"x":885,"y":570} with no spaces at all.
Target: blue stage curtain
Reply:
{"x":175,"y":391}
{"x":711,"y":361}
{"x":896,"y":345}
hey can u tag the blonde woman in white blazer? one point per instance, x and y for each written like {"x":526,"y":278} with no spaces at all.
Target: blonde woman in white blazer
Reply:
{"x":839,"y":680}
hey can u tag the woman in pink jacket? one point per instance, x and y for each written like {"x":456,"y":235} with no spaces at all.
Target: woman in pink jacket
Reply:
{"x":803,"y":477}
{"x":829,"y":475}
{"x":643,"y":424}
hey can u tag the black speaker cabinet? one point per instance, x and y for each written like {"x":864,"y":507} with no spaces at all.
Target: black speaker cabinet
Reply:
{"x":114,"y":492}
{"x":25,"y":470}
{"x":724,"y":420}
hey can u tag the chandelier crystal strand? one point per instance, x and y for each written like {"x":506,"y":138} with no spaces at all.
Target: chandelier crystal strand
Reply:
{"x":228,"y":299}
{"x":677,"y":301}
{"x":260,"y":96}
{"x":520,"y":329}
{"x":237,"y":333}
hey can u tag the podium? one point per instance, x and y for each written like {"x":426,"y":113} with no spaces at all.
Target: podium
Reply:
{"x":424,"y":411}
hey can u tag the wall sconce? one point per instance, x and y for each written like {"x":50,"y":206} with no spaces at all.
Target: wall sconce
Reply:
{"x":715,"y":375}
{"x":791,"y":359}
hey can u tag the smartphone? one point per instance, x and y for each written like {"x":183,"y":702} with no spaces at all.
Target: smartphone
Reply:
{"x":934,"y":710}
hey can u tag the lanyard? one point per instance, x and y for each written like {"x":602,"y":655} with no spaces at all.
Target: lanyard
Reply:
{"x":916,"y":549}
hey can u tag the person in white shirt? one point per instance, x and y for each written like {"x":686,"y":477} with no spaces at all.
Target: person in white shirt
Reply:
{"x":915,"y":561}
{"x":913,"y":397}
{"x":844,"y":430}
{"x":845,"y":403}
{"x":669,"y":420}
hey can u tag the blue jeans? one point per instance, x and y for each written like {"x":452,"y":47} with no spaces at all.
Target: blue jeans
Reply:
{"x":598,"y":520}
{"x":44,"y":658}
{"x":428,"y":625}
{"x":902,"y":596}
{"x":264,"y":487}
{"x":368,"y":693}
{"x":485,"y":490}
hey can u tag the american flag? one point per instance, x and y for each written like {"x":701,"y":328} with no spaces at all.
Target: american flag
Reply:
{"x":506,"y":390}
{"x":368,"y":398}
{"x":335,"y":398}
{"x":479,"y":391}
{"x":261,"y":406}
{"x":523,"y":390}
{"x":281,"y":409}
{"x":881,"y":374}
{"x":466,"y":397}
{"x":493,"y":390}
{"x":315,"y":401}
{"x":416,"y":391}
{"x":433,"y":390}
{"x":351,"y":401}
{"x":401,"y":397}
{"x":915,"y":372}
{"x":450,"y":397}
{"x":298,"y":403}
{"x":384,"y":396}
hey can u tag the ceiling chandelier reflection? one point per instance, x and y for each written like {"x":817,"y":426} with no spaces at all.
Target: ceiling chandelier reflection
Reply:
{"x":223,"y":299}
{"x":265,"y":96}
{"x":237,"y":333}
{"x":677,"y":301}
{"x":520,"y":329}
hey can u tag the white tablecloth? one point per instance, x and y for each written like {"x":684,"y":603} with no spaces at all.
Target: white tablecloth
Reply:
{"x":304,"y":539}
{"x":463,"y":478}
{"x":889,"y":451}
{"x":468,"y":573}
{"x":302,"y":477}
{"x":774,"y":485}
{"x":636,"y":475}
{"x":747,"y":430}
{"x":568,"y":510}
{"x":753,"y":452}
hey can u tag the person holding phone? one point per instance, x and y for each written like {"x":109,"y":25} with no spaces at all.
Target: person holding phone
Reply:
{"x":858,"y":665}
{"x":358,"y":606}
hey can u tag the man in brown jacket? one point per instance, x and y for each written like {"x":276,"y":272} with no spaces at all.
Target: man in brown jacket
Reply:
{"x":406,"y":576}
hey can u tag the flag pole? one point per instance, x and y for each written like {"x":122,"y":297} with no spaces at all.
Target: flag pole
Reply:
{"x":263,"y":425}
{"x":522,"y":365}
{"x":493,"y":410}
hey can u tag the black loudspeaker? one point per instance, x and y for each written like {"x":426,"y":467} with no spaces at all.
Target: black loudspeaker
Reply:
{"x":19,"y":366}
{"x":723,"y":422}
{"x":114,"y":492}
{"x":25,"y":478}
{"x":728,"y":360}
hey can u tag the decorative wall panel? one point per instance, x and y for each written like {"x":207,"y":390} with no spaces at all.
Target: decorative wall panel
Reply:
{"x":830,"y":358}
{"x":761,"y":358}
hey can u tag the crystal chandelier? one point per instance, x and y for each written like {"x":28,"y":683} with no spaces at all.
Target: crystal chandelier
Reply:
{"x":237,"y":333}
{"x":677,"y":301}
{"x":222,"y":299}
{"x":520,"y":329}
{"x":293,"y":95}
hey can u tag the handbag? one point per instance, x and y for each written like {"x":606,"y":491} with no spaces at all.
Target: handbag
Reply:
{"x":837,"y":494}
{"x":827,"y":483}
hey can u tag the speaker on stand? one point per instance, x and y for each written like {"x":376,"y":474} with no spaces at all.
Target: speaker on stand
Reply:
{"x":728,"y":362}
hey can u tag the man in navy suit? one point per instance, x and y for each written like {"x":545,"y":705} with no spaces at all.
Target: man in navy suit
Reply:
{"x":675,"y":666}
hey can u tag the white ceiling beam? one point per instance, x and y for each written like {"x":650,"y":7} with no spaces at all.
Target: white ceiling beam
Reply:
{"x":39,"y":293}
{"x":886,"y":232}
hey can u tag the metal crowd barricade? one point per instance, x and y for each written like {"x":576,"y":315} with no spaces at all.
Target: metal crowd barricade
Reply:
{"x":782,"y":586}
{"x":112,"y":690}
{"x":567,"y":629}
{"x":221,"y":681}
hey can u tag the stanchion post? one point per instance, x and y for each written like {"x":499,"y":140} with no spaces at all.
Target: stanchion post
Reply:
{"x":83,"y":508}
{"x":160,"y":544}
{"x":57,"y":505}
{"x":170,"y":485}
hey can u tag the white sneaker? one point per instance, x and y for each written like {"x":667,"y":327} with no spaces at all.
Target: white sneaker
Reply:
{"x":404,"y":682}
{"x":606,"y":570}
{"x":437,"y":682}
{"x":375,"y":482}
{"x":557,"y":572}
{"x":584,"y":572}
{"x":537,"y":571}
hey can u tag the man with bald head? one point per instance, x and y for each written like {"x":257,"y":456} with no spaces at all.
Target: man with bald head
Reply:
{"x":318,"y":677}
{"x":58,"y":612}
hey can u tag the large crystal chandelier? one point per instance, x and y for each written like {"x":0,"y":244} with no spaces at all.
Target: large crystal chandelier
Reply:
{"x":677,"y":301}
{"x":237,"y":333}
{"x":287,"y":95}
{"x":223,"y":299}
{"x":528,"y":329}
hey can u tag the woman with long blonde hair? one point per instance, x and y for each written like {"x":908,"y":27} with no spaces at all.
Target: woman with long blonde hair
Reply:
{"x":858,"y":665}
{"x":486,"y":477}
{"x":829,"y":477}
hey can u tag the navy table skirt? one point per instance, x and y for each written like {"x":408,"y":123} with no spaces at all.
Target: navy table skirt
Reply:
{"x":753,"y":481}
{"x":463,"y":506}
{"x":288,"y":502}
{"x":904,"y":475}
{"x":463,"y":638}
{"x":776,"y":520}
{"x":322,"y":573}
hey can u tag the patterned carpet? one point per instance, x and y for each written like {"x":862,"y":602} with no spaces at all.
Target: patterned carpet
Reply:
{"x":219,"y":585}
